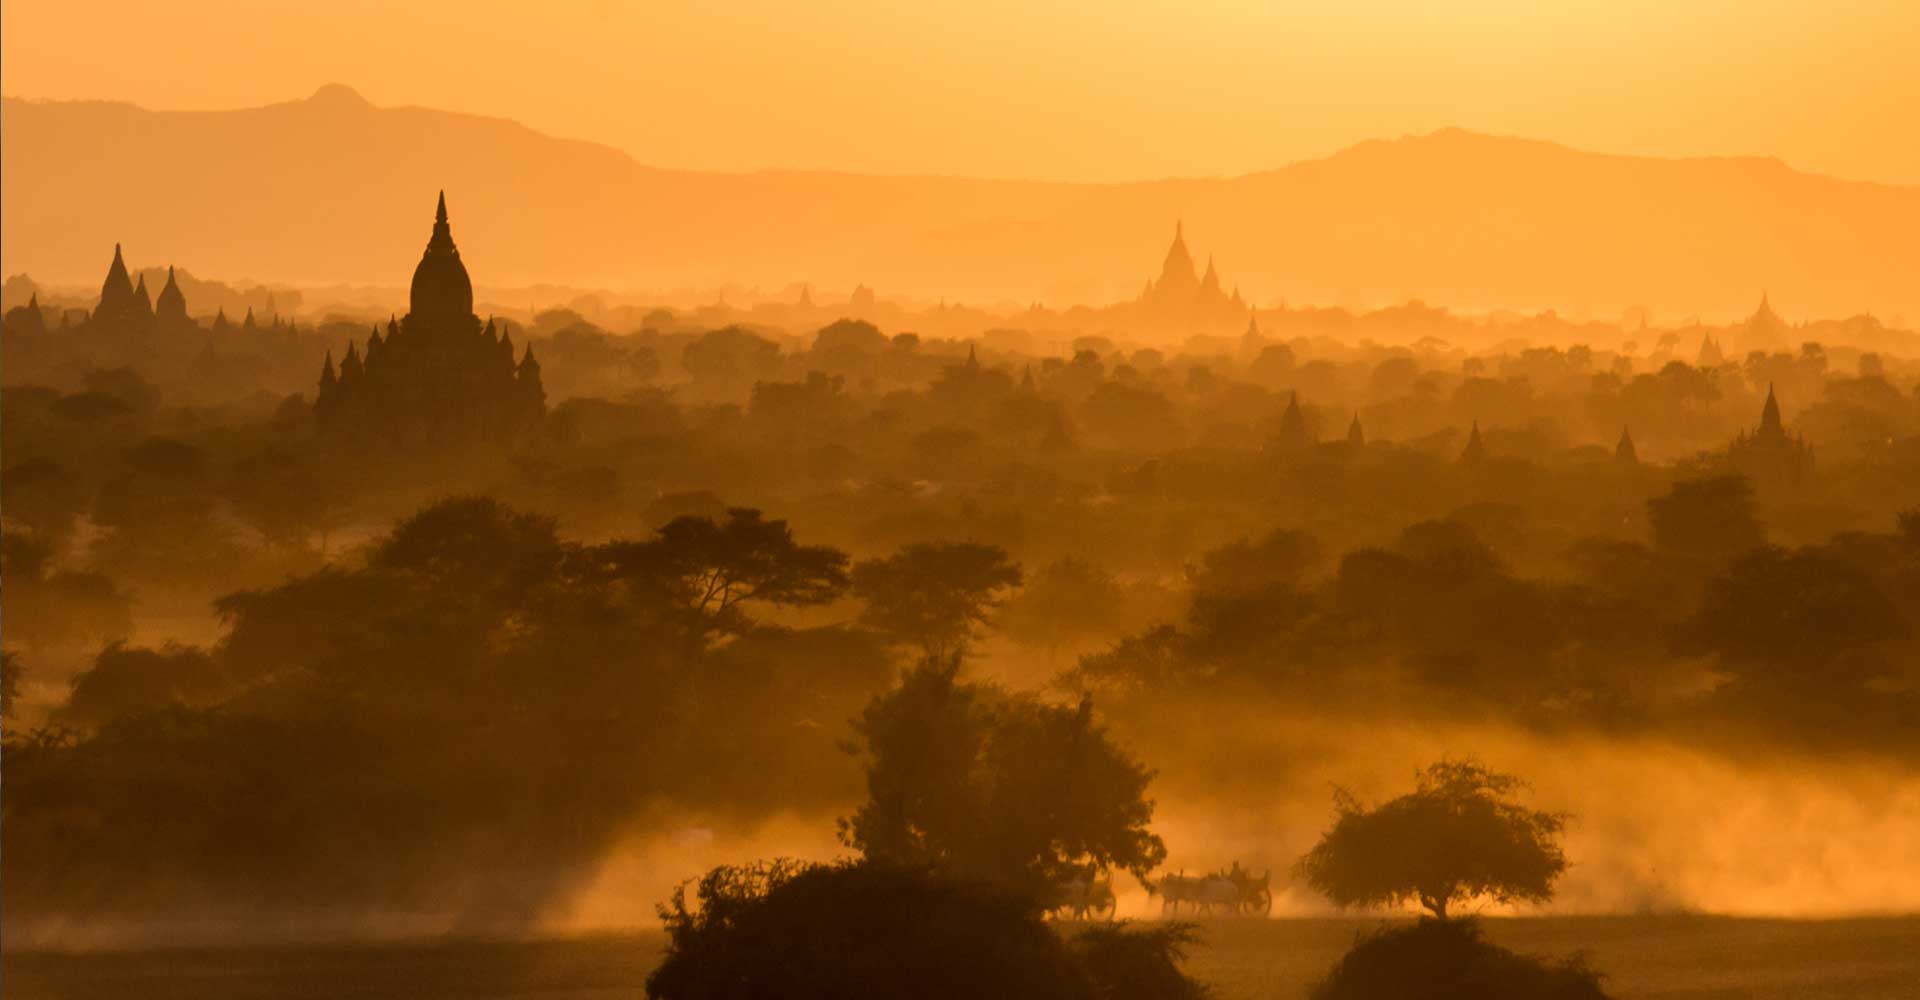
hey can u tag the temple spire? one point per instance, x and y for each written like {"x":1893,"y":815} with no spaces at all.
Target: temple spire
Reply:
{"x":441,"y":290}
{"x":1293,"y":434}
{"x":1475,"y":452}
{"x":1770,"y":416}
{"x":1177,"y":273}
{"x":1624,"y":452}
{"x":116,"y":293}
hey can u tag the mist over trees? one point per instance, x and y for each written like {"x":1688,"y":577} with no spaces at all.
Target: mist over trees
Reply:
{"x":405,"y":673}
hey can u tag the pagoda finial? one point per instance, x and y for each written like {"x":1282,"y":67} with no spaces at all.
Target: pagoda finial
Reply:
{"x":440,"y":213}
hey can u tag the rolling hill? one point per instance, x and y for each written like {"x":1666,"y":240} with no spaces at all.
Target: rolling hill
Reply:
{"x":332,"y":189}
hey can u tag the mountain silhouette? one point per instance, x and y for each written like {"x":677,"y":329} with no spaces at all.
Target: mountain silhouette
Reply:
{"x":327,"y":190}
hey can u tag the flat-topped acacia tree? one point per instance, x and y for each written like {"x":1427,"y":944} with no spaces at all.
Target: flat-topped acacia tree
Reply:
{"x":1459,"y":835}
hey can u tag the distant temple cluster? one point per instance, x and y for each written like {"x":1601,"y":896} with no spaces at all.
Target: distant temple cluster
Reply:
{"x":438,"y":375}
{"x":126,"y":306}
{"x":127,"y":309}
{"x":1770,"y":456}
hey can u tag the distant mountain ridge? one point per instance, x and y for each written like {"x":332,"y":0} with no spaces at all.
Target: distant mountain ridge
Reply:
{"x":333,"y":189}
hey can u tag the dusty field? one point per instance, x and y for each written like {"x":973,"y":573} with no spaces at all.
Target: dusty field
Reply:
{"x":1668,"y":958}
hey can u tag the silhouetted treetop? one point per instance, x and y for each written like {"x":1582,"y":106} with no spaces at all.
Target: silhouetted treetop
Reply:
{"x":1459,"y":835}
{"x":990,"y":785}
{"x":935,"y":595}
{"x":471,"y":542}
{"x":707,"y":568}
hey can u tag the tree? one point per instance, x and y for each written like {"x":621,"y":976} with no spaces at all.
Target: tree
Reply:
{"x":1706,"y":518}
{"x":990,"y":785}
{"x":706,"y":568}
{"x":127,"y":681}
{"x":1458,"y":836}
{"x":1802,"y":614}
{"x":476,"y":542}
{"x":935,"y":595}
{"x":730,"y":354}
{"x":1243,"y":567}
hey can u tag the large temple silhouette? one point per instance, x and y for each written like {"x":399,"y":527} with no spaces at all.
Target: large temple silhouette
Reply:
{"x":1770,"y":456}
{"x":438,"y":375}
{"x":1184,"y":298}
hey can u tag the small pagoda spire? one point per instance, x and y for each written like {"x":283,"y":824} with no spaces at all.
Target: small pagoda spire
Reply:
{"x":1475,"y":452}
{"x":1624,"y":453}
{"x":1355,"y":436}
{"x":171,"y":307}
{"x":142,"y":301}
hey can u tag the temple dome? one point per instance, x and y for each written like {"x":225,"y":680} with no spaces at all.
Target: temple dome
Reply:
{"x":441,"y":288}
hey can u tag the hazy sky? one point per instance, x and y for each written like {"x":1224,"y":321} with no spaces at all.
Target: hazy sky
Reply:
{"x":1093,"y":89}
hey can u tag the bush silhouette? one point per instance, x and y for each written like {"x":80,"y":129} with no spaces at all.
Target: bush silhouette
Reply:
{"x":802,"y":931}
{"x":1449,"y":960}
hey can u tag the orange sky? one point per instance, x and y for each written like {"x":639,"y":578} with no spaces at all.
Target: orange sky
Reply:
{"x":1077,"y":90}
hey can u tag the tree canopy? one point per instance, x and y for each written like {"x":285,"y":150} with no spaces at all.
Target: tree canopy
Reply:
{"x":935,"y":595}
{"x":1458,"y":836}
{"x":997,"y":786}
{"x":708,"y":568}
